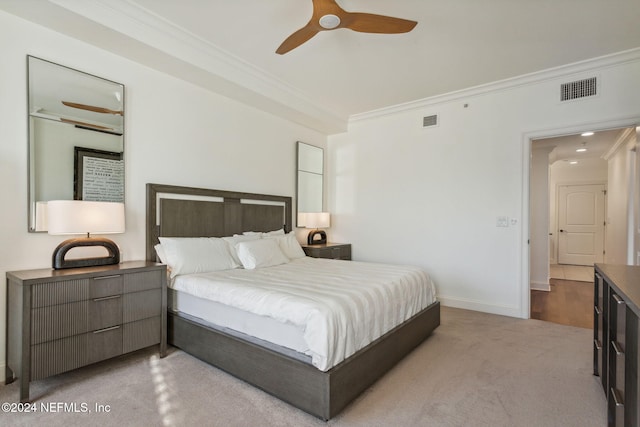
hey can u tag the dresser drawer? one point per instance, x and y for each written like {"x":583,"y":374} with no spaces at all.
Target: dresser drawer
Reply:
{"x":46,"y":294}
{"x":105,"y":312}
{"x":140,"y":305}
{"x":104,"y":286}
{"x":143,"y":281}
{"x":104,"y":344}
{"x":141,"y":334}
{"x":59,"y":321}
{"x":58,"y":356}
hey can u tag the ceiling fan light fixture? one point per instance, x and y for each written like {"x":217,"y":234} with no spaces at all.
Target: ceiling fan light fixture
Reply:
{"x":329,"y":21}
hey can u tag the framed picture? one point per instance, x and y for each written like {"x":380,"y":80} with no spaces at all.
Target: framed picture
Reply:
{"x":98,"y":175}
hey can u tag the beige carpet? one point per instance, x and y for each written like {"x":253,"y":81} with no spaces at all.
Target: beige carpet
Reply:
{"x":475,"y":370}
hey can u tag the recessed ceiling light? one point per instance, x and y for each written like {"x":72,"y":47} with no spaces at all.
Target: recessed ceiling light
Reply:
{"x":573,"y":162}
{"x":587,"y":134}
{"x":581,"y":150}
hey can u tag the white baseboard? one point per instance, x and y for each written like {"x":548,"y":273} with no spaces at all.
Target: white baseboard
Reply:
{"x":540,"y":286}
{"x":503,"y":310}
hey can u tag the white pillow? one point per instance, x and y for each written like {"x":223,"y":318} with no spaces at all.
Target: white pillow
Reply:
{"x":186,"y":255}
{"x":260,"y":253}
{"x":160,"y":252}
{"x":289,"y":245}
{"x":232,"y":241}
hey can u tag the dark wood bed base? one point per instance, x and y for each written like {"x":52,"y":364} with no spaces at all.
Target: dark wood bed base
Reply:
{"x":322,"y":394}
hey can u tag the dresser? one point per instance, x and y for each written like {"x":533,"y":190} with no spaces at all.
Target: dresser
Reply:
{"x":329,"y":250}
{"x":59,"y":320}
{"x":616,"y":340}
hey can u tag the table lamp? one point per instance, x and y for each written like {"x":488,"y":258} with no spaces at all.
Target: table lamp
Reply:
{"x":317,"y":220}
{"x":84,"y":217}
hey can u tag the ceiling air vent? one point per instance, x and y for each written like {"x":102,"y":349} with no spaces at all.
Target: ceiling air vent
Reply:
{"x":578,"y":89}
{"x":428,"y":121}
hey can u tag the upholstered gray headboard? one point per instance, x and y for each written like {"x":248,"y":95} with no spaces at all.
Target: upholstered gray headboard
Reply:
{"x":174,"y":211}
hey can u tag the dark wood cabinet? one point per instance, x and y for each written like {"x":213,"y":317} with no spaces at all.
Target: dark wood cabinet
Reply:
{"x":329,"y":250}
{"x":615,"y":340}
{"x":59,"y":320}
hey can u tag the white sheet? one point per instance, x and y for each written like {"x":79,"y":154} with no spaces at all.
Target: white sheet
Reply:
{"x":225,"y":317}
{"x":342,"y":305}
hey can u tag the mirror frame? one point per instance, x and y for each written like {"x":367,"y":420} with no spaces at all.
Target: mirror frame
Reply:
{"x":107,"y":120}
{"x":302,"y":167}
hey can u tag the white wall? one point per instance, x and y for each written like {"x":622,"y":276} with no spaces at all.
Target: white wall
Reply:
{"x":431,"y":197}
{"x":539,"y":218}
{"x":176,"y":133}
{"x":619,"y":234}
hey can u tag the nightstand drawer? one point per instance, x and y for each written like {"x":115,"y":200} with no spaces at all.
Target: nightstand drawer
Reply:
{"x":329,"y":251}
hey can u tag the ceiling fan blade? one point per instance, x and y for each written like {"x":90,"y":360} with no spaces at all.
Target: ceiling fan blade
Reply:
{"x":297,"y":38}
{"x":85,"y":124}
{"x":91,"y":108}
{"x":370,"y":23}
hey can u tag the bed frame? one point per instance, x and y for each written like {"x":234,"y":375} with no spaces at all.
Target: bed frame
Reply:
{"x":174,"y":211}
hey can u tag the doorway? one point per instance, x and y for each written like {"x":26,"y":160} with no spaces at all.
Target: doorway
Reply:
{"x":568,"y":212}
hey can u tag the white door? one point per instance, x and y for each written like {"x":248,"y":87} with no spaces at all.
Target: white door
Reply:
{"x":581,"y":224}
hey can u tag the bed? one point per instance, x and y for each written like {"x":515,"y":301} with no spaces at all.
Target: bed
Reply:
{"x":302,"y":378}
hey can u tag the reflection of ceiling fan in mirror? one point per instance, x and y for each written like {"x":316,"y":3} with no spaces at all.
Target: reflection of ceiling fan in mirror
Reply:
{"x":327,"y":15}
{"x":91,"y":108}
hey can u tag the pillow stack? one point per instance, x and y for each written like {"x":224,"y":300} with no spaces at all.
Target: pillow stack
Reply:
{"x":250,"y":250}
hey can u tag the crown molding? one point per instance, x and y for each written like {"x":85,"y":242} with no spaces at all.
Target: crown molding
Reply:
{"x":588,"y":65}
{"x":230,"y":75}
{"x":626,"y":137}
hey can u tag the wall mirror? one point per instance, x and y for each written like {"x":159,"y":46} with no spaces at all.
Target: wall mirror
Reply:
{"x":76,"y":138}
{"x":310,"y":180}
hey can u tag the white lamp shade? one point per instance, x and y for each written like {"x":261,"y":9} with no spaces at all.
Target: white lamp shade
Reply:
{"x":82,"y":217}
{"x":317,"y":220}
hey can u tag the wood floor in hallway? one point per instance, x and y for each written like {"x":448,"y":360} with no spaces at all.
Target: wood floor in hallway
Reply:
{"x":569,"y":302}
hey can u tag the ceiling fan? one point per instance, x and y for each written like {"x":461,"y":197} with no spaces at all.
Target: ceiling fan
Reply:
{"x":91,"y":108}
{"x":327,"y":15}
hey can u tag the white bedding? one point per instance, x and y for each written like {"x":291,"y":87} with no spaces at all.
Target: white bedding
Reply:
{"x":342,"y":306}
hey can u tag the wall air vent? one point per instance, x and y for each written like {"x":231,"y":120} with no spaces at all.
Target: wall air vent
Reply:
{"x":429,"y":121}
{"x":578,"y":89}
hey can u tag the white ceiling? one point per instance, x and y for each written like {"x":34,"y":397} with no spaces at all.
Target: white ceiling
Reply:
{"x":598,"y":145}
{"x":229,"y":46}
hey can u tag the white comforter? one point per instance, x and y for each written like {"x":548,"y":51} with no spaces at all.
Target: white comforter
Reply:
{"x":342,"y":306}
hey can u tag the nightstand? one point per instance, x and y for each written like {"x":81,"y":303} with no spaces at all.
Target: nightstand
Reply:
{"x":59,"y":320}
{"x":329,"y":250}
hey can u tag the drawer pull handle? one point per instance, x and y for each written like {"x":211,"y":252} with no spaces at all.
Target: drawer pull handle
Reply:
{"x":617,"y":399}
{"x":618,"y":299}
{"x":616,"y":348}
{"x":597,"y":344}
{"x":106,"y":329}
{"x":598,"y":312}
{"x":107,"y":277}
{"x":106,"y":298}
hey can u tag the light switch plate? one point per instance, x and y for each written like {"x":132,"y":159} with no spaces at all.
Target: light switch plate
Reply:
{"x":502,"y":221}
